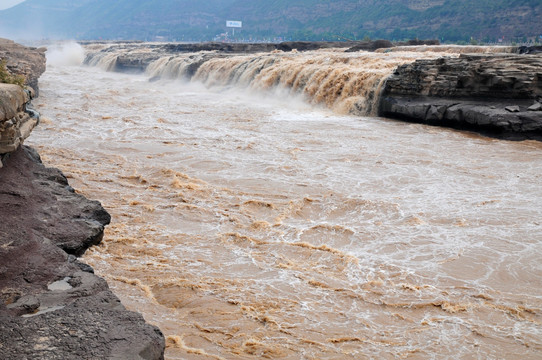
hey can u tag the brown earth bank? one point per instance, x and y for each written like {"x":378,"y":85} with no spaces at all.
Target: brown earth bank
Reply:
{"x":52,"y":306}
{"x":496,"y":94}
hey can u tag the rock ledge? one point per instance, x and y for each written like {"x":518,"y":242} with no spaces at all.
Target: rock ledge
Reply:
{"x":495,"y":94}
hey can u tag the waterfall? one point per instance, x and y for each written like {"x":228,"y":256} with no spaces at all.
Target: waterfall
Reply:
{"x":347,"y":83}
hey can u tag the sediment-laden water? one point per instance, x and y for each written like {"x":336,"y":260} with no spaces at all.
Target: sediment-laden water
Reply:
{"x":254,"y":221}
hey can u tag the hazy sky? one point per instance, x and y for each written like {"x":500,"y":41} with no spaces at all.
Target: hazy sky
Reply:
{"x":4,"y":4}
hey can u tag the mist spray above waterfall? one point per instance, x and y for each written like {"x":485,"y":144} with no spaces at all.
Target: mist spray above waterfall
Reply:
{"x":65,"y":53}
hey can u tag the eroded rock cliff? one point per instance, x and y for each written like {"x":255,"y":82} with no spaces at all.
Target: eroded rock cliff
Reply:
{"x":28,"y":62}
{"x":496,"y":93}
{"x":17,"y":119}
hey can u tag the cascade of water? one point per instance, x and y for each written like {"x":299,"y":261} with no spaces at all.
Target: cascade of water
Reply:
{"x":103,"y":60}
{"x":347,"y":83}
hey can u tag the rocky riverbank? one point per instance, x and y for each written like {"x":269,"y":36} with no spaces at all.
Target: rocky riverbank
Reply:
{"x":52,"y":306}
{"x":496,"y":94}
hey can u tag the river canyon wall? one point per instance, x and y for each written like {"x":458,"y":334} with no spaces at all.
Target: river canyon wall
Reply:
{"x":52,"y":305}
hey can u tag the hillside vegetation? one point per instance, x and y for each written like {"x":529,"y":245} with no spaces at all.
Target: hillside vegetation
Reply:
{"x":447,"y":20}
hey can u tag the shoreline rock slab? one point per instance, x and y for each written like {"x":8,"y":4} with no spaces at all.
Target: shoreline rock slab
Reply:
{"x":52,"y":306}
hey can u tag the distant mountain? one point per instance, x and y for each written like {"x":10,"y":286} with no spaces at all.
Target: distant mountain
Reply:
{"x":189,"y":20}
{"x":6,"y":4}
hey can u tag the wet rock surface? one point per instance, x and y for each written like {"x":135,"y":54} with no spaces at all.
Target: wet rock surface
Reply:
{"x":495,"y":94}
{"x":51,"y":305}
{"x":488,"y":117}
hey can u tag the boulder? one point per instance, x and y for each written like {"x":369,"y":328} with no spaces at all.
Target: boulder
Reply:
{"x":513,"y":108}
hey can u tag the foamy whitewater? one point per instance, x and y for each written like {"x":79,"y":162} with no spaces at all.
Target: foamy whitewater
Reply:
{"x":256,"y":222}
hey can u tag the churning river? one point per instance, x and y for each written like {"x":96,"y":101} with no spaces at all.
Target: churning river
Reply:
{"x":254,"y":221}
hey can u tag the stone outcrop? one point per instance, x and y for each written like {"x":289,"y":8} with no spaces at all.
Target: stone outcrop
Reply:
{"x":17,"y":119}
{"x":470,"y":92}
{"x":371,"y":45}
{"x":22,"y":60}
{"x":51,"y":305}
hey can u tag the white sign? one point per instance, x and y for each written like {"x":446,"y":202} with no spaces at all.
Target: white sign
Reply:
{"x":234,"y":24}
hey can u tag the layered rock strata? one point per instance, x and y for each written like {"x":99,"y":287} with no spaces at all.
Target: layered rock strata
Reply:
{"x":17,"y":119}
{"x":495,"y":94}
{"x":51,"y":305}
{"x":28,"y":62}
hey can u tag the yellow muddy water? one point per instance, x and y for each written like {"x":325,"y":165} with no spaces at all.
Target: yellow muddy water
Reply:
{"x":253,"y":222}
